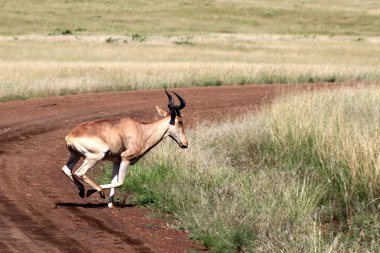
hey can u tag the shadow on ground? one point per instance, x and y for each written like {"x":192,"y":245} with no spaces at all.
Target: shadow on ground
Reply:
{"x":90,"y":205}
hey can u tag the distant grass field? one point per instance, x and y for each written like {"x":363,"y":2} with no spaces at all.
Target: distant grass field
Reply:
{"x":50,"y":48}
{"x":38,"y":66}
{"x":185,"y":17}
{"x":303,"y":175}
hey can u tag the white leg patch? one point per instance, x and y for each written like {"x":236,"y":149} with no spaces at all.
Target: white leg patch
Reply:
{"x":67,"y":171}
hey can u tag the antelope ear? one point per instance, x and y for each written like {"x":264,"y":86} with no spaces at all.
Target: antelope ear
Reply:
{"x":162,"y":112}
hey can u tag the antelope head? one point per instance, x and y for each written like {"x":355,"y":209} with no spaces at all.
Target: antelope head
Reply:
{"x":176,"y":129}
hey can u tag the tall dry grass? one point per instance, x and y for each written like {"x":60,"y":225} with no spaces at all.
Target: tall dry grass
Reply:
{"x":301,"y":176}
{"x":37,"y":66}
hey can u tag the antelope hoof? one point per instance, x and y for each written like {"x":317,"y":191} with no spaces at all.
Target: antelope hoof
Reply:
{"x":90,"y":192}
{"x":81,"y":193}
{"x":102,"y":194}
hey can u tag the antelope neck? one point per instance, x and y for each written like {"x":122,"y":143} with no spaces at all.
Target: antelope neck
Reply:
{"x":154,"y":132}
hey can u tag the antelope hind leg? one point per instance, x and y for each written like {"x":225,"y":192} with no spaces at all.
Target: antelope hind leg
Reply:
{"x":68,"y":169}
{"x":81,"y":173}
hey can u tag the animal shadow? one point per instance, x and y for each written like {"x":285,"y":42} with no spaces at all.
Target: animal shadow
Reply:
{"x":92,"y":205}
{"x":84,"y":205}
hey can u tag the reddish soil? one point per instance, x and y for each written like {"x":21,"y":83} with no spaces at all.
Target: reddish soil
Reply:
{"x":40,"y":210}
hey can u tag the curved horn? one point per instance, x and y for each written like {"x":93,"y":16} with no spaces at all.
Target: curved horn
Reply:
{"x":171,"y":101}
{"x":171,"y":104}
{"x":183,"y":103}
{"x":172,"y":108}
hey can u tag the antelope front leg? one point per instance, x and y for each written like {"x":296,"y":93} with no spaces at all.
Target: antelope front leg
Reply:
{"x":117,"y":180}
{"x":115,"y":172}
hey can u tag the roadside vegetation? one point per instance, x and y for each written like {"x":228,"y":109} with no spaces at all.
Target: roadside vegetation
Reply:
{"x":300,"y":176}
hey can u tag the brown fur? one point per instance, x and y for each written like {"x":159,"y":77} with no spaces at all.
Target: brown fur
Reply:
{"x":123,"y":141}
{"x":122,"y":135}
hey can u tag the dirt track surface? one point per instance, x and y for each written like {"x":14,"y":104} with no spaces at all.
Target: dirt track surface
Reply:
{"x":40,"y":210}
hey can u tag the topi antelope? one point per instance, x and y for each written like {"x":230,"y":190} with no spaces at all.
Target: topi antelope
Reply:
{"x":123,"y":142}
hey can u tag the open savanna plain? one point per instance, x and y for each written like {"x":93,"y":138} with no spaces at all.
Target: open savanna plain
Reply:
{"x":36,"y":66}
{"x":47,"y":48}
{"x":282,"y":116}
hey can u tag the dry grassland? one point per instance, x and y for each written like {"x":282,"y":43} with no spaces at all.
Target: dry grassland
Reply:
{"x":35,"y":66}
{"x":178,"y":17}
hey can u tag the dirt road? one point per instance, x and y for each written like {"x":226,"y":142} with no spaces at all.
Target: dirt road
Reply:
{"x":40,"y":210}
